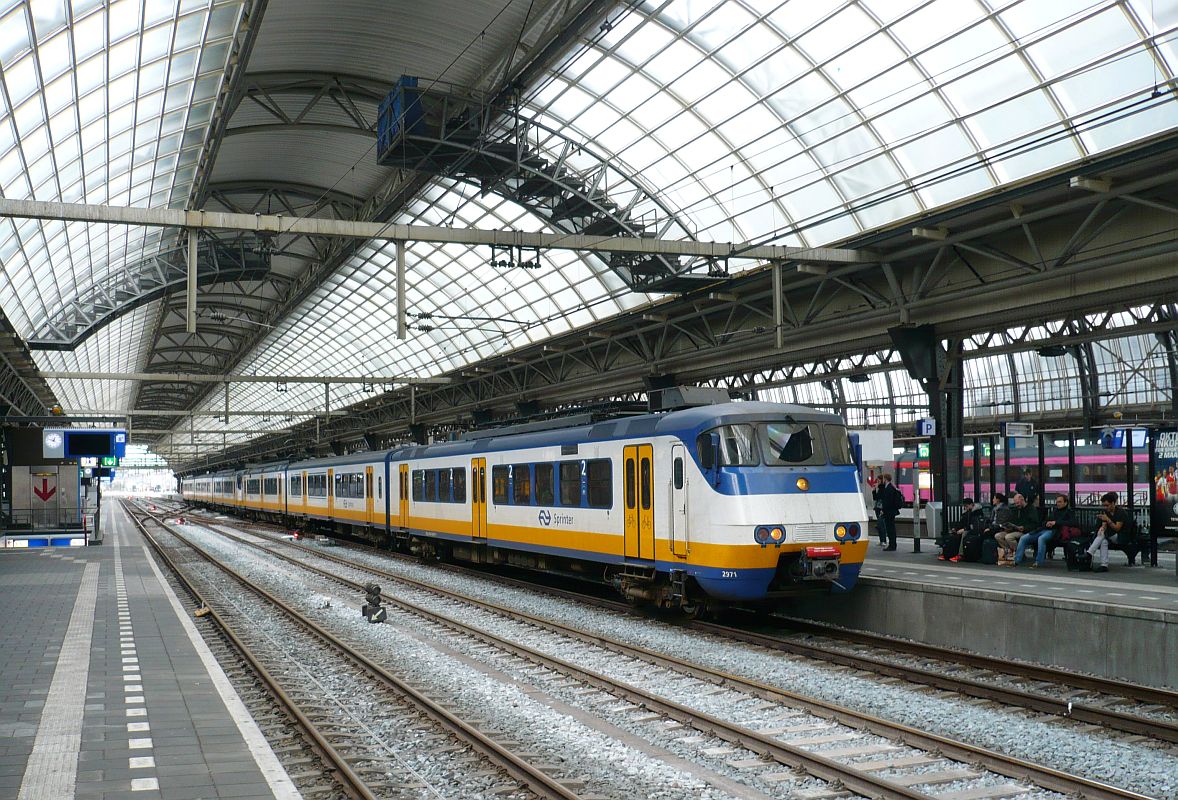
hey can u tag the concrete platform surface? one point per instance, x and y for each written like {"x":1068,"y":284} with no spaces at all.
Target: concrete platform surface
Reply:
{"x":109,"y":690}
{"x":1129,"y":587}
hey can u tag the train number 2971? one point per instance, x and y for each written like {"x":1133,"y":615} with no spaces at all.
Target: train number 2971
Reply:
{"x":727,"y":573}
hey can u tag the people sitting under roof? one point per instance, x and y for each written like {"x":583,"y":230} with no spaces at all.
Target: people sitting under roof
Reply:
{"x":1023,"y":519}
{"x":1061,"y":520}
{"x":1116,"y":528}
{"x":972,"y":519}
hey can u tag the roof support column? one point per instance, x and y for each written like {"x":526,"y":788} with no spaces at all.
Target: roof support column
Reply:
{"x":778,"y":309}
{"x":226,"y":402}
{"x":191,"y":304}
{"x":402,"y":327}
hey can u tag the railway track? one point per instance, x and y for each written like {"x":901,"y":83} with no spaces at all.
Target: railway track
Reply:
{"x":1084,"y":698}
{"x":942,"y":763}
{"x":360,"y":767}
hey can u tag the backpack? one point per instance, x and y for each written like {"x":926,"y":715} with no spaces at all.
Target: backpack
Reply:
{"x":1077,"y":556}
{"x":989,"y":551}
{"x":971,"y":546}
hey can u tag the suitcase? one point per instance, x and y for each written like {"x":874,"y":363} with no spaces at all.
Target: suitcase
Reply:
{"x":989,"y":551}
{"x":951,"y":547}
{"x":971,"y":547}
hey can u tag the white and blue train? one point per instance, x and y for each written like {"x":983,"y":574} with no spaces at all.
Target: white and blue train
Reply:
{"x":735,"y":502}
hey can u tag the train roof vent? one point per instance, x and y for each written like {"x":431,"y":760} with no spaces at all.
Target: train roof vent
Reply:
{"x":676,"y":397}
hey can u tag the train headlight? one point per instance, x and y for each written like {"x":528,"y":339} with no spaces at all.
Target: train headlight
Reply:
{"x":854,"y":531}
{"x":777,"y":534}
{"x":761,"y":535}
{"x":803,"y":484}
{"x":840,"y":532}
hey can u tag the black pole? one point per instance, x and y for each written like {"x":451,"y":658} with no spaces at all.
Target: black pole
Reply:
{"x":1154,"y":506}
{"x":977,"y":470}
{"x":1072,"y":469}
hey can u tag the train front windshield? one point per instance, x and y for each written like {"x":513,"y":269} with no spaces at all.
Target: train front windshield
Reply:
{"x":783,"y":444}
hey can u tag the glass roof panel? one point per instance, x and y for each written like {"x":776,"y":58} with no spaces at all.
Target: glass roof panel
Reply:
{"x":80,"y":121}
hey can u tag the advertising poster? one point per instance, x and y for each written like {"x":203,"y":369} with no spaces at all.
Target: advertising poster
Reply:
{"x":1165,"y":480}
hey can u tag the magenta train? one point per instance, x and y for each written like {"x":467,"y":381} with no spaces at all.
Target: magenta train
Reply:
{"x":1097,"y":471}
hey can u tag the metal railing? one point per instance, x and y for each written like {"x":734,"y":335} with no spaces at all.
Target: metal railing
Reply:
{"x":29,"y":520}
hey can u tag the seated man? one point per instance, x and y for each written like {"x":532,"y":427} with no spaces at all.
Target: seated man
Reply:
{"x":1117,"y":530}
{"x":1115,"y":527}
{"x":971,"y":519}
{"x":1024,"y":519}
{"x":999,"y":516}
{"x":1059,"y":517}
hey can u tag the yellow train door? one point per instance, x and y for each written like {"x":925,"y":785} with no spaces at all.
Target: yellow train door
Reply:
{"x":478,"y":498}
{"x":403,"y":495}
{"x":304,"y":485}
{"x":331,"y":492}
{"x":369,"y":498}
{"x":638,"y":481}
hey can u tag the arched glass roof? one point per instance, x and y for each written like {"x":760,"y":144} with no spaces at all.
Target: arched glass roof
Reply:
{"x":812,"y":120}
{"x":802,"y":122}
{"x":100,"y":102}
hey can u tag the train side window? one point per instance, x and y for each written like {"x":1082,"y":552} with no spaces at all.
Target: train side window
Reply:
{"x":678,"y":470}
{"x":570,"y":483}
{"x":444,"y":485}
{"x":644,"y":487}
{"x":544,"y":484}
{"x":521,"y":484}
{"x":431,"y":485}
{"x":418,"y":485}
{"x":499,"y":481}
{"x":379,"y":486}
{"x":600,"y":484}
{"x":459,"y":485}
{"x":631,"y":484}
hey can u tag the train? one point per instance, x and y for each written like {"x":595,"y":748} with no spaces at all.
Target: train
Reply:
{"x":1098,"y":470}
{"x":690,"y":508}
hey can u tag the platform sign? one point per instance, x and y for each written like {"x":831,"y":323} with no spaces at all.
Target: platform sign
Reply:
{"x":109,"y":461}
{"x":1165,"y":479}
{"x":922,"y":451}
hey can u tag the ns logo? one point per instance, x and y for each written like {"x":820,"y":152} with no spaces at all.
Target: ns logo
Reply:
{"x":545,"y":517}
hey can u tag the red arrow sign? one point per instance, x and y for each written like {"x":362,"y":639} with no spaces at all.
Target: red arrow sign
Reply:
{"x":46,"y":491}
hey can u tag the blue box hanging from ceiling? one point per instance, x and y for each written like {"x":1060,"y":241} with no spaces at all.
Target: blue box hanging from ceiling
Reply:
{"x":400,"y":115}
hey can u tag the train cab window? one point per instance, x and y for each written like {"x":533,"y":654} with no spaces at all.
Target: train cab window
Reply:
{"x":737,"y":445}
{"x":459,"y":485}
{"x":570,"y":483}
{"x":545,"y":484}
{"x":600,"y":483}
{"x":838,"y":446}
{"x":791,"y":443}
{"x":444,"y":486}
{"x":521,"y":484}
{"x":418,"y":485}
{"x":499,"y":481}
{"x":677,"y":469}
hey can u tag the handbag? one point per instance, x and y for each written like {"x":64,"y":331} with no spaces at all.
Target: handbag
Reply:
{"x":1069,"y":532}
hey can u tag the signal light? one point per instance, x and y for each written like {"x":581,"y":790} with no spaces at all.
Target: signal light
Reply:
{"x":761,"y":535}
{"x":777,"y":534}
{"x":803,"y":485}
{"x":371,"y":609}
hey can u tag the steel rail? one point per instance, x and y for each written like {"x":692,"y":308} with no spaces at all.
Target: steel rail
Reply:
{"x":1044,"y":777}
{"x":538,"y":781}
{"x":1144,"y":694}
{"x":348,"y":780}
{"x":1064,"y":707}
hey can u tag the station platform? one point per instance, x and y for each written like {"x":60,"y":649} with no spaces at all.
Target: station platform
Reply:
{"x":1123,"y":622}
{"x":109,"y":690}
